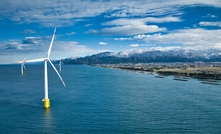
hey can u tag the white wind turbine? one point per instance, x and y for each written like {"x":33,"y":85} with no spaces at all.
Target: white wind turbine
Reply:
{"x":47,"y":59}
{"x":22,"y":65}
{"x":60,"y":63}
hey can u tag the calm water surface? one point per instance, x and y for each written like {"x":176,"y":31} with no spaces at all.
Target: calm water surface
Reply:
{"x":101,"y":100}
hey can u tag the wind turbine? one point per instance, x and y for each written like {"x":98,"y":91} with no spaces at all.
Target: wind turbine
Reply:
{"x":47,"y":59}
{"x":60,"y":63}
{"x":22,"y":65}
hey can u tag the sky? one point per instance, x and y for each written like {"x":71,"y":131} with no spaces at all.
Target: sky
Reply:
{"x":86,"y":27}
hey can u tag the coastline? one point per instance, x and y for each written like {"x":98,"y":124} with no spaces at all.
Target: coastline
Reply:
{"x":202,"y":73}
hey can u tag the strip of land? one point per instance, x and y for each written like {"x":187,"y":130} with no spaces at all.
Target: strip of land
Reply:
{"x":195,"y":70}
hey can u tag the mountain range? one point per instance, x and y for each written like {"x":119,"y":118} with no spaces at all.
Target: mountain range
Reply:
{"x":147,"y":56}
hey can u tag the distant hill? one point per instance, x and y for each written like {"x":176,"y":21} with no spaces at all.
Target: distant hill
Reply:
{"x":147,"y":56}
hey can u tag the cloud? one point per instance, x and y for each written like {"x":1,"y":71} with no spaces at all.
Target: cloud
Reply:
{"x":60,"y":49}
{"x":140,"y":36}
{"x":32,"y":40}
{"x":91,"y":31}
{"x":29,"y":47}
{"x":211,"y":16}
{"x":142,"y":21}
{"x":130,"y":30}
{"x":102,"y":43}
{"x":87,"y":25}
{"x":72,"y":48}
{"x":134,"y":26}
{"x":121,"y":39}
{"x":11,"y":47}
{"x":52,"y":13}
{"x":141,"y":45}
{"x":29,"y":44}
{"x":28,"y":31}
{"x":188,"y":38}
{"x":71,"y":33}
{"x":206,"y":23}
{"x":134,"y":45}
{"x":136,"y":37}
{"x":155,"y":7}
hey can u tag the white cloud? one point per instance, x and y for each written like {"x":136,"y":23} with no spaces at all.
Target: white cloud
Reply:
{"x":135,"y":26}
{"x":71,"y":33}
{"x":121,"y":39}
{"x":130,"y":30}
{"x":134,"y":45}
{"x":142,"y":21}
{"x":140,"y":36}
{"x":188,"y":38}
{"x":60,"y":49}
{"x":211,"y":16}
{"x":28,"y":31}
{"x":32,"y":40}
{"x":39,"y":45}
{"x":137,"y":37}
{"x":141,"y":45}
{"x":102,"y":43}
{"x":27,"y":45}
{"x":91,"y":31}
{"x":72,"y":48}
{"x":52,"y":13}
{"x":206,"y":23}
{"x":87,"y":25}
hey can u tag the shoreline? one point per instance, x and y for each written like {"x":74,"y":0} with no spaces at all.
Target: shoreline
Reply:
{"x":196,"y":73}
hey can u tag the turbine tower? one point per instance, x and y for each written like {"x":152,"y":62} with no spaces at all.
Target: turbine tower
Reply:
{"x":60,"y":63}
{"x":22,"y":65}
{"x":47,"y":59}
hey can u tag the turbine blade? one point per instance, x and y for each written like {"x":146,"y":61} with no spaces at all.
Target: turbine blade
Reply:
{"x":23,"y":63}
{"x":57,"y":72}
{"x":24,"y":66}
{"x":19,"y":62}
{"x":24,"y":59}
{"x":52,"y":40}
{"x":36,"y":60}
{"x":61,"y":62}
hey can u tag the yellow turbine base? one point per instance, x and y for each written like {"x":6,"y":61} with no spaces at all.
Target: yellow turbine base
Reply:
{"x":46,"y":103}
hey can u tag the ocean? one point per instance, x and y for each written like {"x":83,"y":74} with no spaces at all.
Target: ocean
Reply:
{"x":103,"y":100}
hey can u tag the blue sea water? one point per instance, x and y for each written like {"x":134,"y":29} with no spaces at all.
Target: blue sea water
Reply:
{"x":102,"y":100}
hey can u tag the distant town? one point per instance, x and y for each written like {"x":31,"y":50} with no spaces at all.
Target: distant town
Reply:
{"x":199,"y":70}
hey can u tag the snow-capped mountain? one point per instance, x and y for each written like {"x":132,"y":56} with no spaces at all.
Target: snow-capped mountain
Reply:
{"x":153,"y":55}
{"x":207,"y":54}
